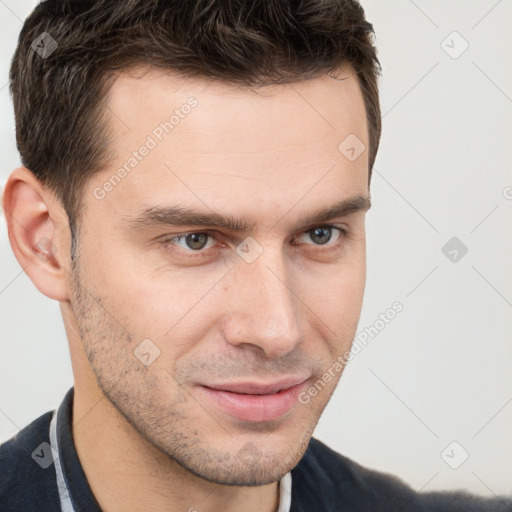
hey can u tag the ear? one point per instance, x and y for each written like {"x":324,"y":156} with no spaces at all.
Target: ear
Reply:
{"x":39,"y":233}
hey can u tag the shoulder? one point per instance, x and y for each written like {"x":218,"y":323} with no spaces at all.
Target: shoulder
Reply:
{"x":327,"y":480}
{"x":27,"y":476}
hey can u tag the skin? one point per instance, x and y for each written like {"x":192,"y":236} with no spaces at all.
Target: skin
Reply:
{"x":146,"y":436}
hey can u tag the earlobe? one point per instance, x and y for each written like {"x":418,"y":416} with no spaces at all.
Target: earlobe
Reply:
{"x":36,"y":225}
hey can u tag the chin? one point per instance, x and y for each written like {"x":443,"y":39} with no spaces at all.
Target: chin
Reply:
{"x":242,"y":473}
{"x":248,"y":466}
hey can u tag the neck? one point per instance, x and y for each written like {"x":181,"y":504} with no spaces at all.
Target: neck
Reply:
{"x":126,"y":472}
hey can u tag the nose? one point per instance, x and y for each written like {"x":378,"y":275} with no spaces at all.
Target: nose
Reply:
{"x":263,"y":308}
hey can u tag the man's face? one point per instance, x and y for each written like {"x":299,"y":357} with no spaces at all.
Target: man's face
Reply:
{"x":191,"y":337}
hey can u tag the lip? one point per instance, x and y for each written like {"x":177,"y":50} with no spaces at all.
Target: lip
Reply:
{"x":255,"y":401}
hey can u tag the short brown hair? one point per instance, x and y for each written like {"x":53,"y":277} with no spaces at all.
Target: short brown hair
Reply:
{"x":60,"y":98}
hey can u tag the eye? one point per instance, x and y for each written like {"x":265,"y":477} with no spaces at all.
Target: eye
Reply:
{"x":196,"y":244}
{"x":321,"y":235}
{"x":191,"y":242}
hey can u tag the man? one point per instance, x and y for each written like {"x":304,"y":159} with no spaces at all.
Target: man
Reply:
{"x":194,"y":187}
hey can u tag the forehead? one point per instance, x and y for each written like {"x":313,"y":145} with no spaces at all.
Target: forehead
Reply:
{"x":217,"y":141}
{"x":321,"y":105}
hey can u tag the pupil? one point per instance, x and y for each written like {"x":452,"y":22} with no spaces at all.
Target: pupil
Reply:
{"x":196,"y":240}
{"x":318,"y":231}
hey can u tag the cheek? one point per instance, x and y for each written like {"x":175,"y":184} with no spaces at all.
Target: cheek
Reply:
{"x":119,"y":276}
{"x":173,"y":310}
{"x":337,"y":294}
{"x":336,"y":302}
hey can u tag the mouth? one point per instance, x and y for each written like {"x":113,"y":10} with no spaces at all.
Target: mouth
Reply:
{"x":255,"y":401}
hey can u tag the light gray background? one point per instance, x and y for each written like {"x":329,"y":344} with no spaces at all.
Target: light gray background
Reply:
{"x":441,"y":370}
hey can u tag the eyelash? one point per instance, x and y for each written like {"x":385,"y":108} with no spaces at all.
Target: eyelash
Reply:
{"x":168,"y":245}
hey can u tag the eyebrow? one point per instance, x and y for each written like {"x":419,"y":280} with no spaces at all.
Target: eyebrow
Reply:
{"x":182,"y":216}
